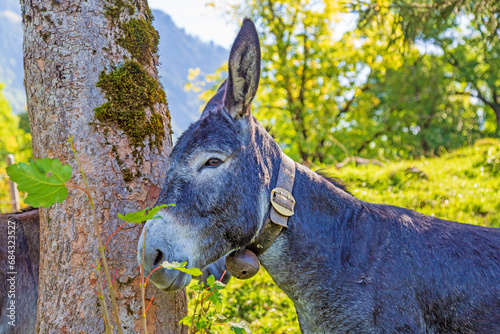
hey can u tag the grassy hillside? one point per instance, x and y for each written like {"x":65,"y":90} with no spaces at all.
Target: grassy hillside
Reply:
{"x":462,"y":185}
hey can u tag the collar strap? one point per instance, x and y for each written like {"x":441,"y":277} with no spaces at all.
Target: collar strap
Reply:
{"x":282,"y":207}
{"x":244,"y":263}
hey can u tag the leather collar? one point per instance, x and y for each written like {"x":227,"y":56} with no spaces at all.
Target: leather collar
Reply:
{"x":244,"y":263}
{"x":282,"y":207}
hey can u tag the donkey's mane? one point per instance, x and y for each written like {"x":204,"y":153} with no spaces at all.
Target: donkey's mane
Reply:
{"x":23,"y":210}
{"x":27,"y":209}
{"x":336,"y":181}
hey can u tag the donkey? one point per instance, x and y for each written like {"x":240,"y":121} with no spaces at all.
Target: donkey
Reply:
{"x":19,"y":259}
{"x":349,"y":266}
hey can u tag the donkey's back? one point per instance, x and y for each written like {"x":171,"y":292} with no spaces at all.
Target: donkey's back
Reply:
{"x":440,"y":276}
{"x":19,"y":259}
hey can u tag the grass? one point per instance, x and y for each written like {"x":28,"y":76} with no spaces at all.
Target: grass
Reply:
{"x":462,"y":185}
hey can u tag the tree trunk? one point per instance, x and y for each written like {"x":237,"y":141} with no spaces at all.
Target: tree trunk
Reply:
{"x":496,"y":109}
{"x":90,"y":73}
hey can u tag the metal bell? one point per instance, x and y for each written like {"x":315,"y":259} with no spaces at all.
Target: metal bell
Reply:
{"x":242,"y":264}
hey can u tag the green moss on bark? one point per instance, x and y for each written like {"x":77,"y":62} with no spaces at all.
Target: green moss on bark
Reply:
{"x":129,"y":90}
{"x":114,"y":10}
{"x":140,"y":39}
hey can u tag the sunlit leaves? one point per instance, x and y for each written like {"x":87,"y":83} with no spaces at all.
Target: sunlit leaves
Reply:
{"x":141,"y":216}
{"x":206,"y":315}
{"x":325,"y":96}
{"x":44,"y":181}
{"x":181,"y":266}
{"x":239,"y":327}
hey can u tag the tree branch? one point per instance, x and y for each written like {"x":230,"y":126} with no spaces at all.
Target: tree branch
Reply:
{"x":368,"y":141}
{"x":480,"y":97}
{"x":348,"y":104}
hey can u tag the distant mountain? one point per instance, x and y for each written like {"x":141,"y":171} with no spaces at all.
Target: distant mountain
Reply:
{"x":11,"y":54}
{"x":178,"y":53}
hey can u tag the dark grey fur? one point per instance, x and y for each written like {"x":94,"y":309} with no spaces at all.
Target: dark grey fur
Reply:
{"x":27,"y":245}
{"x":349,"y":266}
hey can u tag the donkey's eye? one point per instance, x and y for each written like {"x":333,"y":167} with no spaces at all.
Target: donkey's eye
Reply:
{"x":213,"y":162}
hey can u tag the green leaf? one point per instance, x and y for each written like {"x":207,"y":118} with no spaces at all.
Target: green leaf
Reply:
{"x":44,"y":181}
{"x":211,"y":280}
{"x":139,"y":217}
{"x":216,"y":299}
{"x":173,"y":265}
{"x":219,"y":285}
{"x":221,"y":317}
{"x":191,"y":271}
{"x":185,"y":321}
{"x":240,"y":327}
{"x":182,"y":268}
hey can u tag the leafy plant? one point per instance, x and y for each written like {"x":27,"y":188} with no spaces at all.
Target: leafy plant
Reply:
{"x":14,"y":139}
{"x":141,"y":216}
{"x":44,"y":180}
{"x":208,"y":306}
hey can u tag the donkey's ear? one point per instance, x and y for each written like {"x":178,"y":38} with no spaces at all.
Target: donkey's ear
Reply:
{"x":244,"y":71}
{"x":216,"y":101}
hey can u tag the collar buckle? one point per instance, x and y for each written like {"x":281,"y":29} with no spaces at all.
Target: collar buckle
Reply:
{"x":283,"y":201}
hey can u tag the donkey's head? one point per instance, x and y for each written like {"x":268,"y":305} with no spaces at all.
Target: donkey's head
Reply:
{"x":219,"y":176}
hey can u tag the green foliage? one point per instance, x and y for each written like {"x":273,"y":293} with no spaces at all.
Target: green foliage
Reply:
{"x":13,"y":140}
{"x":24,"y":122}
{"x":182,"y":268}
{"x":261,"y":304}
{"x":421,"y":17}
{"x":302,"y":67}
{"x":464,"y":34}
{"x":44,"y":181}
{"x":141,"y":216}
{"x":461,"y":185}
{"x":239,"y":327}
{"x":206,"y":301}
{"x":417,"y":111}
{"x":369,"y":93}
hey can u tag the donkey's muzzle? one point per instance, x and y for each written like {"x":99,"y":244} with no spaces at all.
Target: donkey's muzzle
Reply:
{"x":165,"y":279}
{"x":153,"y":249}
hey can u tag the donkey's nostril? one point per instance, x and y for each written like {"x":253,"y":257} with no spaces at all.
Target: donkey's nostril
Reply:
{"x":158,"y":258}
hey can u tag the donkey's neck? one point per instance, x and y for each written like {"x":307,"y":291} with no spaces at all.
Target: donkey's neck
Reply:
{"x":308,"y":256}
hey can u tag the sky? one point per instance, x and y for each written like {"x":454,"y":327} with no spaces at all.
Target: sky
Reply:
{"x":209,"y":24}
{"x":197,"y":19}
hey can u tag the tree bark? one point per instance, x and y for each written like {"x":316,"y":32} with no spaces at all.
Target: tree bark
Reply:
{"x":69,"y":47}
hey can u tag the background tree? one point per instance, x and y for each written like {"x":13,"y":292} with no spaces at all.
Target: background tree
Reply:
{"x":13,"y":140}
{"x":90,"y":73}
{"x":421,"y":17}
{"x":326,"y":95}
{"x":417,"y":111}
{"x":309,"y":80}
{"x":466,"y":33}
